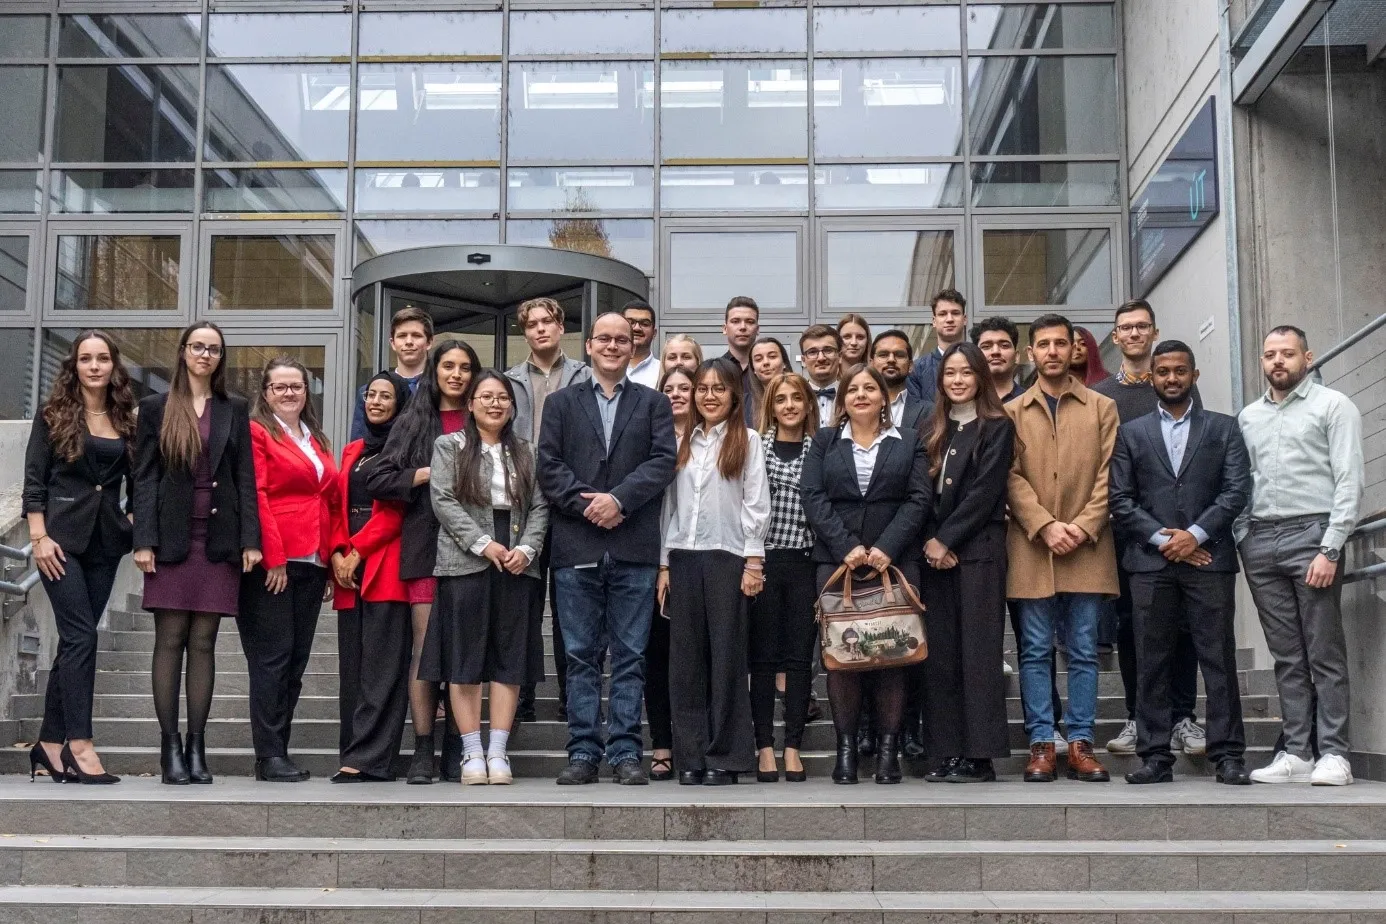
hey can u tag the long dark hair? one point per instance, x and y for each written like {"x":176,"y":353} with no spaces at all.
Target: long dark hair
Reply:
{"x":421,"y":423}
{"x":732,"y":457}
{"x":1093,"y":369}
{"x":179,"y":440}
{"x":65,"y":411}
{"x":264,"y":414}
{"x":988,"y":404}
{"x":517,"y":458}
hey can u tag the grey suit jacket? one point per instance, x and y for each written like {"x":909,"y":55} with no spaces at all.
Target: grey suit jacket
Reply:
{"x":570,"y":371}
{"x":461,"y":525}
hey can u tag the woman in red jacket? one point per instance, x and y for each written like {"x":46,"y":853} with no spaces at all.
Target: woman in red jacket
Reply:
{"x":281,"y":597}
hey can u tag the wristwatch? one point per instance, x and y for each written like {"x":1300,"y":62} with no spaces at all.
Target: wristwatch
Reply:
{"x":1331,"y":554}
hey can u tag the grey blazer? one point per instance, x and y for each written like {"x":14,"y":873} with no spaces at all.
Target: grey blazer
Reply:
{"x":461,"y":525}
{"x":570,"y":371}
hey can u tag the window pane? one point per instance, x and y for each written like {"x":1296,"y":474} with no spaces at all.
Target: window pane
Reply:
{"x":273,"y":272}
{"x":16,"y":367}
{"x":24,"y":37}
{"x":738,"y":188}
{"x":441,"y":111}
{"x":129,"y":36}
{"x":741,"y":109}
{"x":1057,"y":266}
{"x":890,"y":186}
{"x":895,"y":107}
{"x":274,"y":190}
{"x":589,"y":32}
{"x":278,"y":35}
{"x":887,"y":269}
{"x":427,"y":189}
{"x":1040,"y":25}
{"x":276,"y":112}
{"x":581,"y":189}
{"x":245,"y":366}
{"x":630,"y":240}
{"x":885,"y":28}
{"x":706,"y":268}
{"x":147,"y":352}
{"x":581,"y":111}
{"x":365,"y":345}
{"x":14,"y":272}
{"x":1044,"y":184}
{"x":386,"y":236}
{"x":734,"y":31}
{"x":20,"y":192}
{"x":110,"y":272}
{"x":431,"y":34}
{"x":111,"y":191}
{"x":131,"y":113}
{"x":21,"y":112}
{"x":1047,"y":105}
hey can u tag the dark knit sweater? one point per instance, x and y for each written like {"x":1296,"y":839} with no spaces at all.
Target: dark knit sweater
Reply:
{"x":1134,"y":401}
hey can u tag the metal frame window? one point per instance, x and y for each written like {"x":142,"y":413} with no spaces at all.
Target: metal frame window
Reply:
{"x":33,"y":278}
{"x":1108,"y":222}
{"x":332,"y":317}
{"x":338,"y":368}
{"x":887,"y":314}
{"x":187,"y":259}
{"x":772,"y":316}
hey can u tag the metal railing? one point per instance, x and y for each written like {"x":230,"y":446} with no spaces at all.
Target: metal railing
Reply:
{"x":1367,"y":572}
{"x":22,"y":587}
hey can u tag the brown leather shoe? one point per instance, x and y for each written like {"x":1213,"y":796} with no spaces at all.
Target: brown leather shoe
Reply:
{"x":1042,"y":767}
{"x":1082,"y":765}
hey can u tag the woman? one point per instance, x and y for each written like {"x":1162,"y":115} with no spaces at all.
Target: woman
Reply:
{"x":78,"y":458}
{"x":493,"y":518}
{"x":715,"y":516}
{"x":1086,"y":362}
{"x":783,"y":630}
{"x":196,"y":531}
{"x":681,"y":350}
{"x":281,"y":599}
{"x":866,"y":495}
{"x":856,"y":340}
{"x":402,"y":475}
{"x":371,"y":601}
{"x":971,"y":441}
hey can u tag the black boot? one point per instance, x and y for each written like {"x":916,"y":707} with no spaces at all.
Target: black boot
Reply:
{"x":195,"y":754}
{"x":913,"y":744}
{"x":171,"y":761}
{"x":524,"y":711}
{"x":846,"y":769}
{"x":866,"y":734}
{"x":421,"y":767}
{"x":450,"y":762}
{"x":888,"y":759}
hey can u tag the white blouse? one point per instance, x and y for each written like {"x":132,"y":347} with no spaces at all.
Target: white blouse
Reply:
{"x":500,"y":494}
{"x":704,"y":512}
{"x":864,"y":457}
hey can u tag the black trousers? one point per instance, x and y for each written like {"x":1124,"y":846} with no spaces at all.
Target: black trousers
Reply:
{"x":707,"y":680}
{"x":782,"y":635}
{"x":560,"y":654}
{"x":373,"y":650}
{"x":1184,"y":688}
{"x":1164,"y":603}
{"x":277,"y":636}
{"x":78,"y":599}
{"x":657,"y":708}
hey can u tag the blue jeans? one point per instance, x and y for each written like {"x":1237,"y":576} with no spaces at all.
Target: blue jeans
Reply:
{"x":607,"y":605}
{"x":1077,"y":616}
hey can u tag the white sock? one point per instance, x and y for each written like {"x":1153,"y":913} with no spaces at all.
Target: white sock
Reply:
{"x":499,"y":739}
{"x":471,"y":743}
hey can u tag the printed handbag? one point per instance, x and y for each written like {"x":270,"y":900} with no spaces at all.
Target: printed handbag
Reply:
{"x":871,"y":629}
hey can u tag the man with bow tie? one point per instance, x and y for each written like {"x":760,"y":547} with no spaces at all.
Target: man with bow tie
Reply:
{"x":821,"y":349}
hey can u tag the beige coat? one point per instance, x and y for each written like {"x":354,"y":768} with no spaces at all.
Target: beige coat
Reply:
{"x":1060,"y":473}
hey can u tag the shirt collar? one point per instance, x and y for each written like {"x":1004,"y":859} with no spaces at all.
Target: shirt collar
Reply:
{"x":717,"y":430}
{"x":557,"y":365}
{"x":302,"y":435}
{"x":1299,"y":391}
{"x":1166,"y":415}
{"x":642,"y":364}
{"x":620,"y":387}
{"x":890,"y":433}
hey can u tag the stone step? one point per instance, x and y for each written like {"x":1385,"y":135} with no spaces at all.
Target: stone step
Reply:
{"x":228,"y":641}
{"x":229,"y":658}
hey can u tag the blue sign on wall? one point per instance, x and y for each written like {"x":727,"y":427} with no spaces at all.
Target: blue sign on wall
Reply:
{"x":1180,"y":200}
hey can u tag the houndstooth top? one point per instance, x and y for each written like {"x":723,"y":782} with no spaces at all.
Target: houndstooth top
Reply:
{"x":789,"y":527}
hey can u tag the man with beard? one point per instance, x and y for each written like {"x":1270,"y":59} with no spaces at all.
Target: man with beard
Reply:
{"x":893,"y":357}
{"x":644,"y":364}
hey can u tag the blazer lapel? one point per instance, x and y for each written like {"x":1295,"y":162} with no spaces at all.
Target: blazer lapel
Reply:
{"x":1155,"y":434}
{"x":625,"y":409}
{"x":843,"y":447}
{"x":221,"y":429}
{"x":1196,"y":428}
{"x":588,"y":400}
{"x":883,"y":454}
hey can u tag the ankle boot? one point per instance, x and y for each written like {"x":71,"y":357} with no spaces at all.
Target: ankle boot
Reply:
{"x":171,"y":761}
{"x":888,"y":759}
{"x":450,"y":760}
{"x":846,"y":769}
{"x":195,"y":755}
{"x":421,"y":767}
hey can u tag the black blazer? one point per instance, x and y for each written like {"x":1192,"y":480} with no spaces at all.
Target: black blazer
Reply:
{"x":889,"y":517}
{"x":74,"y":497}
{"x":1210,"y":489}
{"x":418,"y":541}
{"x":917,"y":414}
{"x":164,"y":495}
{"x":574,"y":460}
{"x":973,"y":493}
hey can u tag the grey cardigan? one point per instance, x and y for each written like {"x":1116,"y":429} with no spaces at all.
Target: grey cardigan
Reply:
{"x":461,"y":525}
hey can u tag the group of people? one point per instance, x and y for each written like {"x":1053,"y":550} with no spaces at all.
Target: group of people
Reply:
{"x":680,"y":515}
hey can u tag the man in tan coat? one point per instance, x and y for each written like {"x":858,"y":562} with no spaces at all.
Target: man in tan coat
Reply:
{"x":1062,"y":559}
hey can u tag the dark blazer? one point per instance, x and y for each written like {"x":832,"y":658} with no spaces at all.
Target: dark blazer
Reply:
{"x":1210,"y":489}
{"x":923,"y":380}
{"x":974,"y":487}
{"x":164,"y":496}
{"x":418,"y":545}
{"x":574,"y":460}
{"x":893,"y":511}
{"x":917,"y":414}
{"x":74,"y":497}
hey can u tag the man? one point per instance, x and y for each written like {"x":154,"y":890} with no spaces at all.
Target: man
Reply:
{"x":1134,"y":331}
{"x":1180,"y":477}
{"x":821,"y":347}
{"x":893,"y":357}
{"x":950,"y":327}
{"x":545,"y":371}
{"x":1062,"y":561}
{"x":606,"y":454}
{"x":999,"y":340}
{"x":644,"y":364}
{"x":1305,"y":443}
{"x":741,"y":327}
{"x":411,"y":336}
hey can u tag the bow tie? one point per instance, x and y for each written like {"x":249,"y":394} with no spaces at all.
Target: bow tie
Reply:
{"x":829,"y":392}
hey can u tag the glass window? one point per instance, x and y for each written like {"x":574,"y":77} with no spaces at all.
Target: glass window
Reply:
{"x":733,"y":188}
{"x":256,"y":190}
{"x":245,"y":368}
{"x":16,"y":367}
{"x":586,"y":32}
{"x":278,"y":35}
{"x":561,"y":110}
{"x":427,"y":189}
{"x":889,"y":107}
{"x":285,"y":272}
{"x":581,"y":189}
{"x":118,"y":272}
{"x":430,"y":33}
{"x":734,"y":31}
{"x":277,"y":112}
{"x":1050,"y":105}
{"x":1040,"y":25}
{"x":147,"y":352}
{"x":889,"y":186}
{"x":734,"y":109}
{"x":365,"y":345}
{"x":630,"y":240}
{"x":113,"y":191}
{"x":1053,"y":266}
{"x":706,"y":268}
{"x":887,"y":269}
{"x":21,"y":112}
{"x":908,"y":29}
{"x":436,"y":111}
{"x":1037,"y":185}
{"x":24,"y":37}
{"x":387,"y":235}
{"x":14,"y":272}
{"x":126,"y":113}
{"x":124,"y":35}
{"x":21,"y":192}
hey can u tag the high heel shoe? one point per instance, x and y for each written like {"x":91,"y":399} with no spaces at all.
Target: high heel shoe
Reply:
{"x":171,"y":762}
{"x":38,"y":757}
{"x":195,"y":756}
{"x":888,"y":759}
{"x":846,"y":769}
{"x":77,"y":774}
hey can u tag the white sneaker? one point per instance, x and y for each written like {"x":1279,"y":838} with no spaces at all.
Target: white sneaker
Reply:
{"x":1286,"y":768}
{"x":1060,"y":745}
{"x":1331,"y":770}
{"x":1006,"y":669}
{"x":473,"y":770}
{"x":1125,"y":741}
{"x":498,"y":770}
{"x":1190,"y":736}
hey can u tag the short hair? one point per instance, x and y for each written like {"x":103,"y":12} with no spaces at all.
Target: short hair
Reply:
{"x":892,"y":334}
{"x":638,"y":304}
{"x":412,"y":315}
{"x":608,"y":313}
{"x":1174,"y":346}
{"x":539,"y":304}
{"x":1050,"y":320}
{"x":1291,"y":329}
{"x":1135,"y":304}
{"x":948,"y":295}
{"x":987,"y":325}
{"x":819,"y":331}
{"x":741,"y":301}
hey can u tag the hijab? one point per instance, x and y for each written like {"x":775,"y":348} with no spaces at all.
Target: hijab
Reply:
{"x":377,"y":434}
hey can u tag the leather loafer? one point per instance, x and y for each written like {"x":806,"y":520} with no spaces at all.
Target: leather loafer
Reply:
{"x":629,"y":773}
{"x":577,"y":773}
{"x":1232,"y":771}
{"x":690,"y":777}
{"x":940,"y":773}
{"x":970,"y":770}
{"x":719,"y":778}
{"x":279,"y":770}
{"x":1151,"y":771}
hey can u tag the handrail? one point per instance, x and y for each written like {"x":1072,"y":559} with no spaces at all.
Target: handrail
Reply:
{"x":1350,"y":341}
{"x":22,"y":587}
{"x":17,"y":554}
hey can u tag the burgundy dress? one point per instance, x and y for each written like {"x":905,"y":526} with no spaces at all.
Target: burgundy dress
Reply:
{"x":195,"y":583}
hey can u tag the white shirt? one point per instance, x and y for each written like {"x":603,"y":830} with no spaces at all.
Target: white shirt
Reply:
{"x":645,"y":372}
{"x":304,"y":441}
{"x":865,"y":457}
{"x":500,"y":492}
{"x":704,"y":512}
{"x":826,"y":395}
{"x":897,"y":407}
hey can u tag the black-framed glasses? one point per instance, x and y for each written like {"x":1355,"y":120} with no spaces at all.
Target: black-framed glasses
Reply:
{"x":825,"y":352}
{"x":1140,"y":327}
{"x":286,"y":388}
{"x":204,"y":349}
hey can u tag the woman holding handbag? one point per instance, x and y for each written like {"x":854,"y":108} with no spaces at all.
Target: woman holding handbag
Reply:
{"x":866,"y":495}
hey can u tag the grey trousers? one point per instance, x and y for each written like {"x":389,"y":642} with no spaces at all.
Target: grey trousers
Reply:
{"x":1304,"y":631}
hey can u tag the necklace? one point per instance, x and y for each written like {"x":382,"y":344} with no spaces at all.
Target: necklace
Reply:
{"x":95,"y":413}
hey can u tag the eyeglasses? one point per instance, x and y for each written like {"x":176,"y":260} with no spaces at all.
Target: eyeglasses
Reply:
{"x":886,"y":354}
{"x":282,"y":388}
{"x":497,"y":400}
{"x":704,"y":390}
{"x":606,"y":340}
{"x":825,"y":352}
{"x":1143,"y":327}
{"x":640,"y":322}
{"x":204,"y":349}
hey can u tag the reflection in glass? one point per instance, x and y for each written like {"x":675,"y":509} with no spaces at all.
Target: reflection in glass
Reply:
{"x":112,"y":272}
{"x":124,"y":35}
{"x":740,"y":109}
{"x":278,"y":35}
{"x":1034,"y":185}
{"x":436,"y":111}
{"x":907,"y":29}
{"x":21,"y":96}
{"x":147,"y":352}
{"x":581,"y":189}
{"x":14,"y":272}
{"x":1053,"y":266}
{"x":20,"y":192}
{"x":630,"y":240}
{"x":379,"y":236}
{"x":257,"y":190}
{"x":706,"y":268}
{"x":581,"y":110}
{"x":1050,"y":105}
{"x":245,"y":368}
{"x":889,"y":186}
{"x":277,"y":112}
{"x":450,"y":33}
{"x":892,"y":107}
{"x":1040,"y":25}
{"x":115,"y":191}
{"x":733,"y":188}
{"x":24,"y":37}
{"x":887,"y":269}
{"x":16,"y":365}
{"x":365,"y":346}
{"x":427,"y":189}
{"x":128,"y":113}
{"x":734,"y":31}
{"x":584,"y":32}
{"x":272,"y":272}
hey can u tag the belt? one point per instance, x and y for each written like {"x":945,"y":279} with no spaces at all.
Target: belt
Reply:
{"x":1303,"y":520}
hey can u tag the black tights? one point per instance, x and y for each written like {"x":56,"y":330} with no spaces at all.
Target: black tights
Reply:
{"x":887,"y":690}
{"x":177,"y":631}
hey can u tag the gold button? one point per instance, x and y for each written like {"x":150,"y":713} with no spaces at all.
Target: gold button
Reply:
{"x":948,"y":481}
{"x":98,"y":487}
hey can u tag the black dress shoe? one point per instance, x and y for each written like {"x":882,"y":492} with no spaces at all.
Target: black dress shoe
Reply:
{"x":888,"y":759}
{"x":912,"y":745}
{"x":360,"y":776}
{"x":845,"y":770}
{"x":577,"y":773}
{"x":195,"y":755}
{"x":940,"y":773}
{"x":629,"y":773}
{"x":279,"y":770}
{"x":719,"y":778}
{"x":661,"y":769}
{"x":1232,"y":771}
{"x":815,"y":711}
{"x":866,"y":738}
{"x":525,"y":713}
{"x":768,"y":776}
{"x":1152,"y":771}
{"x":970,"y":770}
{"x":690,"y":777}
{"x":173,"y":765}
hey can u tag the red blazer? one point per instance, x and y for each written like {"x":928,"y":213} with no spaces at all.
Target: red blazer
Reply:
{"x":378,"y":542}
{"x":296,"y":507}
